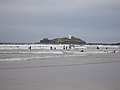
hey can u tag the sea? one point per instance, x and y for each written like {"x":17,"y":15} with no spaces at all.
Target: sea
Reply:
{"x":40,"y":67}
{"x":37,"y":51}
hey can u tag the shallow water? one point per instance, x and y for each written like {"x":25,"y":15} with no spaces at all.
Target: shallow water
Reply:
{"x":21,"y":52}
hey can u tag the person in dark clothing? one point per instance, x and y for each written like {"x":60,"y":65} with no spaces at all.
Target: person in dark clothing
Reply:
{"x":97,"y":47}
{"x":82,"y":50}
{"x":51,"y":48}
{"x":30,"y":48}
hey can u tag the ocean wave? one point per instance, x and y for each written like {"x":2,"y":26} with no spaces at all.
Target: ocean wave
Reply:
{"x":39,"y":57}
{"x":31,"y":52}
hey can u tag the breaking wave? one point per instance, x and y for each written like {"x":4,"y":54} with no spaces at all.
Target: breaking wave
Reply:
{"x":21,"y":52}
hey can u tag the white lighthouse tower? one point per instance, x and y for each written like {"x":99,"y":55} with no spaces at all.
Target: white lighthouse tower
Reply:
{"x":69,"y":36}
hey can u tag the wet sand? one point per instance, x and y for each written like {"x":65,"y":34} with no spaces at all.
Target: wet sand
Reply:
{"x":92,"y":72}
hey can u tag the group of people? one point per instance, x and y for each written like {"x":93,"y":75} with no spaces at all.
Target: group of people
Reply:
{"x":106,"y":49}
{"x":65,"y":47}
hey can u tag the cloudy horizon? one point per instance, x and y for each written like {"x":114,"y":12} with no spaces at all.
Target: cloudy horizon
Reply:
{"x":32,"y":20}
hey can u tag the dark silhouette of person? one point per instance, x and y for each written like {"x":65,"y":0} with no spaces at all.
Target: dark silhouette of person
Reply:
{"x":51,"y":48}
{"x":63,"y":47}
{"x":114,"y":51}
{"x":82,"y":50}
{"x":30,"y":48}
{"x":97,"y":47}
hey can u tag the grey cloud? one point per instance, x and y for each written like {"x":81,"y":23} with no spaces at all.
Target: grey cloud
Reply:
{"x":87,"y":18}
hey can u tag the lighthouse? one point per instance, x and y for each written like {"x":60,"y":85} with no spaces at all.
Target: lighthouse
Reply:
{"x":69,"y":36}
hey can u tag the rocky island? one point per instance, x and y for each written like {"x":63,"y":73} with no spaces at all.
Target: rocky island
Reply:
{"x":66,"y":40}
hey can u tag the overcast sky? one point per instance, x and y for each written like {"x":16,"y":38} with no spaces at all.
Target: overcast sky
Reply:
{"x":32,"y":20}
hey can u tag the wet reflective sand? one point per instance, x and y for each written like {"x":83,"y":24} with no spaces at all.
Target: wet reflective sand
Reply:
{"x":92,"y":72}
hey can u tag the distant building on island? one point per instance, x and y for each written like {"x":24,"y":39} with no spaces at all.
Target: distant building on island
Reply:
{"x":69,"y":36}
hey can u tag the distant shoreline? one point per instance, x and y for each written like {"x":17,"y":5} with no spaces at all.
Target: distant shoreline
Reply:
{"x":12,"y":43}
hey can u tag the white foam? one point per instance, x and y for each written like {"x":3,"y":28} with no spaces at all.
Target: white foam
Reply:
{"x":32,"y":52}
{"x":34,"y":46}
{"x":43,"y":51}
{"x":37,"y":58}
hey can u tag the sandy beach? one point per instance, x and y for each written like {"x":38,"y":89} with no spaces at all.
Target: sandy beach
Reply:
{"x":59,"y":44}
{"x":91,"y":72}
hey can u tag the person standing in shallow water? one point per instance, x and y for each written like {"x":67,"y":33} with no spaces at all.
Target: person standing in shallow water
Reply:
{"x":97,"y":47}
{"x":82,"y":50}
{"x":51,"y":48}
{"x":30,"y":48}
